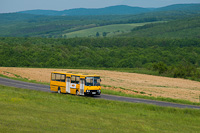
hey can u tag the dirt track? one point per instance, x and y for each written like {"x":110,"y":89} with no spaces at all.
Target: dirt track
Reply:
{"x":146,"y":84}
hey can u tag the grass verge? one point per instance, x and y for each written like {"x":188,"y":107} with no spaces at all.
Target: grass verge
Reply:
{"x":23,"y":79}
{"x":25,"y":110}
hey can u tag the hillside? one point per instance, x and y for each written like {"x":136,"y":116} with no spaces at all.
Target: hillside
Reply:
{"x":180,"y":7}
{"x":29,"y":25}
{"x":16,"y":25}
{"x":186,"y":28}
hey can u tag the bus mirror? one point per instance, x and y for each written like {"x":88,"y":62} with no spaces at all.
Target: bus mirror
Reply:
{"x":100,"y":80}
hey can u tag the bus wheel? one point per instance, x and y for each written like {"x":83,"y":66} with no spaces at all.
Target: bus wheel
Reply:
{"x":59,"y":91}
{"x":77,"y":93}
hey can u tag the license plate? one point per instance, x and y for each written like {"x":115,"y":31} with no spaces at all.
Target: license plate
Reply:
{"x":93,"y":92}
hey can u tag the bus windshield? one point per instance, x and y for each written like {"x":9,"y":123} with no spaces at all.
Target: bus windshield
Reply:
{"x":92,"y":81}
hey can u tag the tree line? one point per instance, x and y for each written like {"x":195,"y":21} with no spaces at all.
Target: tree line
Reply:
{"x":174,"y":57}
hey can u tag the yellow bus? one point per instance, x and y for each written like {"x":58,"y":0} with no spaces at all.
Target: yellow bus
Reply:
{"x":77,"y":84}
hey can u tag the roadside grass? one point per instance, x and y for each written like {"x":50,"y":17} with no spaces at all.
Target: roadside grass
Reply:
{"x":24,"y":79}
{"x":117,"y":93}
{"x":24,"y":110}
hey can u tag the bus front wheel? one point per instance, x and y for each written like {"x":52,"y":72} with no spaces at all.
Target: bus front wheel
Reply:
{"x":77,"y":93}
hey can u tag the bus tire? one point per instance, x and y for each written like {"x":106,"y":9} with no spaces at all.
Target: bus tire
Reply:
{"x":59,"y":91}
{"x":77,"y":93}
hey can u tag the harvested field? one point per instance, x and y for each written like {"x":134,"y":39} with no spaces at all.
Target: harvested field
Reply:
{"x":133,"y":83}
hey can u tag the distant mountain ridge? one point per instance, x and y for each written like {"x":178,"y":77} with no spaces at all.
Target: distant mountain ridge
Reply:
{"x":112,"y":10}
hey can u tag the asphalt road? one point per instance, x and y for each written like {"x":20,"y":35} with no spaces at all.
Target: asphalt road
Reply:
{"x":39,"y":87}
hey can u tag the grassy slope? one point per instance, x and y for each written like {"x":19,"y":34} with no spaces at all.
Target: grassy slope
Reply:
{"x":28,"y":110}
{"x":111,"y":30}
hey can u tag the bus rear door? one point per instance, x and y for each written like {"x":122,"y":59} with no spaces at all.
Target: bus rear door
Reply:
{"x":67,"y":84}
{"x":82,"y":85}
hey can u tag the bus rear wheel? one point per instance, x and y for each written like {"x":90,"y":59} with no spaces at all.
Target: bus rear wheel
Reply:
{"x":59,"y":91}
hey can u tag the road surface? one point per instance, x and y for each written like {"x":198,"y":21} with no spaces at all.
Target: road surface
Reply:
{"x":39,"y":87}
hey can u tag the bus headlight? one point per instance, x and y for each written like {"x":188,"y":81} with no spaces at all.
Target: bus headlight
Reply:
{"x":99,"y":91}
{"x":87,"y":90}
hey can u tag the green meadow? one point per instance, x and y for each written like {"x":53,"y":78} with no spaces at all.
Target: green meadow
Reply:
{"x":27,"y":110}
{"x":110,"y":30}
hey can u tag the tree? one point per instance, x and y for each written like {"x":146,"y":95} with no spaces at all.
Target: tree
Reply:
{"x":104,"y":34}
{"x":161,"y":67}
{"x":97,"y":34}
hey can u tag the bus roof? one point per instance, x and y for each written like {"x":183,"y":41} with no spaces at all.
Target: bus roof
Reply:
{"x":76,"y":74}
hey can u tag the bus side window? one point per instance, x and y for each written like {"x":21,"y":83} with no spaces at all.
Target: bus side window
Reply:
{"x":53,"y":76}
{"x":75,"y":79}
{"x":62,"y":78}
{"x":57,"y":77}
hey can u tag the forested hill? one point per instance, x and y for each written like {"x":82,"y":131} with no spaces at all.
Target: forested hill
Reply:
{"x":98,"y":52}
{"x":185,"y":28}
{"x":173,"y":57}
{"x":114,"y":10}
{"x":180,"y":7}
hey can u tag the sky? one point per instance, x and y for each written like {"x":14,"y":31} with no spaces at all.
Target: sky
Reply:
{"x":7,"y":6}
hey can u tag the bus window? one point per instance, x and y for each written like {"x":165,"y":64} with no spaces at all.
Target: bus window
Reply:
{"x":53,"y":76}
{"x":92,"y":81}
{"x":58,"y":77}
{"x":89,"y":81}
{"x":97,"y":81}
{"x":62,"y":78}
{"x":75,"y":79}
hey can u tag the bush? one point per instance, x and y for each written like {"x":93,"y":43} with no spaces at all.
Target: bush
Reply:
{"x":161,"y":67}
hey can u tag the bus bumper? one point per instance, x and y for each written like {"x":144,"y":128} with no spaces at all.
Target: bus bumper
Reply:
{"x":92,"y":92}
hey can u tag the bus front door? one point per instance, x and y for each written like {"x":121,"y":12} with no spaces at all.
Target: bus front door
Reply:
{"x":68,"y":85}
{"x":82,"y":86}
